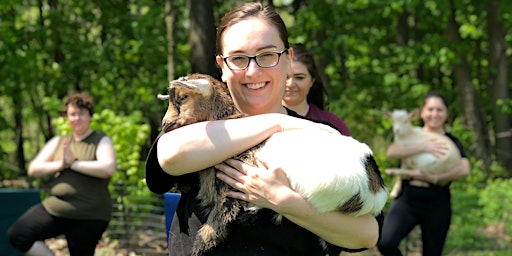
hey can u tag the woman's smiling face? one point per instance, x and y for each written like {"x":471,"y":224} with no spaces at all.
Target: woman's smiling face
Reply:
{"x":255,"y":90}
{"x":434,"y":114}
{"x":79,"y":119}
{"x":298,"y":84}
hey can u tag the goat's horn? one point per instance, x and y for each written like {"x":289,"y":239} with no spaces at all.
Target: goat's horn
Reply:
{"x":162,"y":97}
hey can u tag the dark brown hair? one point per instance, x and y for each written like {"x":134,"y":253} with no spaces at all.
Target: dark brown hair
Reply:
{"x":435,"y":95}
{"x":82,"y":100}
{"x":317,"y":91}
{"x":248,"y":10}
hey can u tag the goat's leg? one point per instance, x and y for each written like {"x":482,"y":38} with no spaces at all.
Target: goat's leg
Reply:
{"x":214,"y":230}
{"x":396,"y":187}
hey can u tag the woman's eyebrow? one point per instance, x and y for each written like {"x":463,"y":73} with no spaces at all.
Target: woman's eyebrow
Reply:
{"x":240,"y":52}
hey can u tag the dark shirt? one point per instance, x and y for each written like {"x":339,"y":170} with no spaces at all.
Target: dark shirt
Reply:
{"x":315,"y":113}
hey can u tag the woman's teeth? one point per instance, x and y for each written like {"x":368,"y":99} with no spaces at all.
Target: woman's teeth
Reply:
{"x":255,"y":86}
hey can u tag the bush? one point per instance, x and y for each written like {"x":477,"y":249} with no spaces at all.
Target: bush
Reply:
{"x":496,"y":205}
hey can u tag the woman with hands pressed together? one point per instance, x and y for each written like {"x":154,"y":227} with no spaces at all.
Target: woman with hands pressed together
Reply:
{"x":425,"y":198}
{"x":254,"y":55}
{"x":79,"y":204}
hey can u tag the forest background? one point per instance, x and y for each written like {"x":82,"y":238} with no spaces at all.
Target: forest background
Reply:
{"x":374,"y":55}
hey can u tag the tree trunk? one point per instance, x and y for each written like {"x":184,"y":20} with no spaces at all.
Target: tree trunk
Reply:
{"x":466,"y":88}
{"x":169,"y":22}
{"x":202,"y":38}
{"x":18,"y":120}
{"x":402,"y":35}
{"x":499,"y":85}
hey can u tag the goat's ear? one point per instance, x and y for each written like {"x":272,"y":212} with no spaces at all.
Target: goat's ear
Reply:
{"x":387,"y":112}
{"x":162,"y":97}
{"x":415,"y":113}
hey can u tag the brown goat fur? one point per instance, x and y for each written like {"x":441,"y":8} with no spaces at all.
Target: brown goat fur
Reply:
{"x":349,"y":178}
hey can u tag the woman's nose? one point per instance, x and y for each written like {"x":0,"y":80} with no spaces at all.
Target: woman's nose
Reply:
{"x":253,"y":67}
{"x":289,"y":81}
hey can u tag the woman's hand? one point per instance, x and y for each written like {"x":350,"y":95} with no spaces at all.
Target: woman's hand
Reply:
{"x":258,"y":185}
{"x":67,"y":154}
{"x":435,"y":147}
{"x":270,"y":188}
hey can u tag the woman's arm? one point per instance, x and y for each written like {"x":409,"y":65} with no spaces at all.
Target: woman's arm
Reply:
{"x":43,"y":164}
{"x":336,"y":228}
{"x":399,"y":151}
{"x":105,"y":163}
{"x":460,"y":170}
{"x":271,"y":189}
{"x":197,"y":146}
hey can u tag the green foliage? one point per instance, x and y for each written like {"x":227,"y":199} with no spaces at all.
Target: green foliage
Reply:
{"x":480,"y":217}
{"x":504,"y":106}
{"x":496,"y":205}
{"x":129,"y":134}
{"x":466,"y":223}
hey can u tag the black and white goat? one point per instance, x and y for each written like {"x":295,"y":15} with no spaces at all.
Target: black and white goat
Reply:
{"x":339,"y":173}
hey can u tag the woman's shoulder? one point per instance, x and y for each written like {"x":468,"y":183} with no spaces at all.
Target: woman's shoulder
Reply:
{"x":319,"y":114}
{"x":56,"y":139}
{"x":457,"y":143}
{"x":452,"y":137}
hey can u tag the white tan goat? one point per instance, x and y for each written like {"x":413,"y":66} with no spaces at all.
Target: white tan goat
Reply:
{"x":405,"y":134}
{"x":340,"y":172}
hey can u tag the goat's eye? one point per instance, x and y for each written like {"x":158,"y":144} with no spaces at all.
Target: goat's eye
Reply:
{"x":183,"y":98}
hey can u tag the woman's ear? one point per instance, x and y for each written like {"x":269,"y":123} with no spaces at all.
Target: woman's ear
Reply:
{"x":290,"y":53}
{"x":218,"y":59}
{"x":289,"y":66}
{"x":220,"y":64}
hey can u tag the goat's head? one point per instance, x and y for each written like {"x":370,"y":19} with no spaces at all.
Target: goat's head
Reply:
{"x":401,"y":120}
{"x":196,"y":98}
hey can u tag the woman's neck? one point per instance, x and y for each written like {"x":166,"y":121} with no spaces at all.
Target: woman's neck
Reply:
{"x":79,"y":137}
{"x":439,"y":130}
{"x":277,"y":109}
{"x":301,"y":108}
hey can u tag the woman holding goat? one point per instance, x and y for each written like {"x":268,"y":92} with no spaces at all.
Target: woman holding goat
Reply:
{"x":254,"y":55}
{"x":424,"y":198}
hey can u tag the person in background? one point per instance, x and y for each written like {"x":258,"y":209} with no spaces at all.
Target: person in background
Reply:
{"x":254,"y":55}
{"x":305,"y":90}
{"x":425,"y":199}
{"x":79,"y":204}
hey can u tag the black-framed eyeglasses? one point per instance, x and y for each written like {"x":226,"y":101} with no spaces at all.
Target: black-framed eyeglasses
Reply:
{"x":263,"y":60}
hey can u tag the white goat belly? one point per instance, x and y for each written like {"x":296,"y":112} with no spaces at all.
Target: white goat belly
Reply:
{"x":325,"y":168}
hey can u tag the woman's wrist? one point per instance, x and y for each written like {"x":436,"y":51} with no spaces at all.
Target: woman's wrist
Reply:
{"x":70,"y":164}
{"x":290,"y":202}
